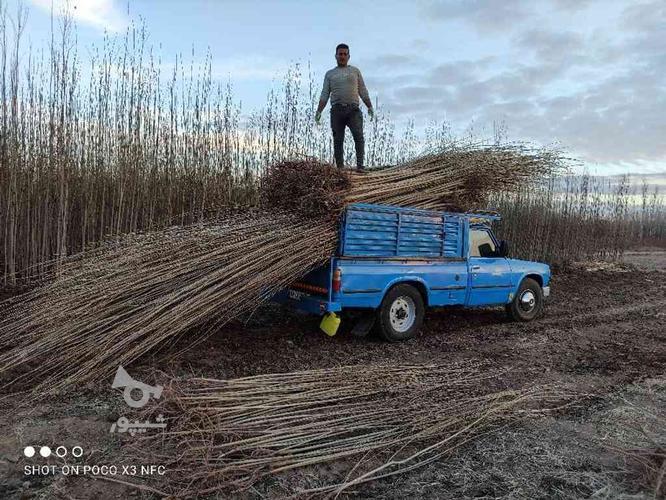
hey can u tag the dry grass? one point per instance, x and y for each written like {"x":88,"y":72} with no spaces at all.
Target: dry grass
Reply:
{"x":571,"y":218}
{"x":635,"y":431}
{"x":309,"y":188}
{"x":578,"y":453}
{"x":374,"y":421}
{"x":118,"y":145}
{"x":136,"y":294}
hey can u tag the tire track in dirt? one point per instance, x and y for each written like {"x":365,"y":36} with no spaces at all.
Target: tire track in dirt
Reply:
{"x":607,"y":313}
{"x":615,"y":306}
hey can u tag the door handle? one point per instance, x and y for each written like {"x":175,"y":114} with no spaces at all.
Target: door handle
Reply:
{"x":476,"y":268}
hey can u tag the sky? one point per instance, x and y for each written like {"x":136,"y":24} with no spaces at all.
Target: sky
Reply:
{"x":586,"y":75}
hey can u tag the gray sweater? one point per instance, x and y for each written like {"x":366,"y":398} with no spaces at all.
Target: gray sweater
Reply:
{"x":344,"y":85}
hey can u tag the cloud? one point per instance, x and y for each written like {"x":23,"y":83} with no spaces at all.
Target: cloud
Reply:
{"x":550,"y":44}
{"x":572,"y":4}
{"x":418,"y":93}
{"x":617,"y":119}
{"x":484,"y":15}
{"x":645,"y":16}
{"x":378,"y":82}
{"x":249,"y":67}
{"x":420,"y":44}
{"x":456,"y":72}
{"x":396,"y":61}
{"x":597,"y":88}
{"x":100,"y":14}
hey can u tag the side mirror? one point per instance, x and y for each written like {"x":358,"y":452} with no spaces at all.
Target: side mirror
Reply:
{"x":503,"y":248}
{"x":486,"y":250}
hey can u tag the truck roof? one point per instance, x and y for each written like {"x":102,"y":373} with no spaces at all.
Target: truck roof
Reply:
{"x":477,"y":216}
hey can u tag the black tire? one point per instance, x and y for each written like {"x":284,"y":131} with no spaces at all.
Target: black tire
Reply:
{"x":399,"y":301}
{"x":528,"y":302}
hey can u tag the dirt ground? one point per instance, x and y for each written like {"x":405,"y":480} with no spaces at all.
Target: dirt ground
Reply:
{"x":604,"y":331}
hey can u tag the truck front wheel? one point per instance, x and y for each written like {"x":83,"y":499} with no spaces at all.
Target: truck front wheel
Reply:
{"x":528,"y":302}
{"x":401,"y":313}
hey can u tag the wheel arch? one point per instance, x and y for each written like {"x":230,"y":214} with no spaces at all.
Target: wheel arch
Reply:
{"x":417,"y":283}
{"x":536,"y":277}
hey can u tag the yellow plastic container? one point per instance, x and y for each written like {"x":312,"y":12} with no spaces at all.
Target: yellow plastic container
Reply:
{"x":330,"y":324}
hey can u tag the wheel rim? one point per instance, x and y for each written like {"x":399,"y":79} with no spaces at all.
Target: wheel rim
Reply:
{"x":527,"y":301}
{"x":402,"y":314}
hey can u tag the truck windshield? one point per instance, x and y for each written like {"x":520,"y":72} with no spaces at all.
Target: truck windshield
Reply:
{"x":481,"y":244}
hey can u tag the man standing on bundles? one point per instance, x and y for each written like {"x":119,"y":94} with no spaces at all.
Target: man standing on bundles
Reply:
{"x":345,"y":84}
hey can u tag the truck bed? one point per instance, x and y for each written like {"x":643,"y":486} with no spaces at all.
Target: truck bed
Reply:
{"x":369,"y":230}
{"x":378,"y":246}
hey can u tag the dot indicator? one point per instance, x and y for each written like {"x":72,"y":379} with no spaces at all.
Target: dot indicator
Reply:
{"x":77,"y":451}
{"x":61,"y":451}
{"x":45,"y":451}
{"x":29,"y":451}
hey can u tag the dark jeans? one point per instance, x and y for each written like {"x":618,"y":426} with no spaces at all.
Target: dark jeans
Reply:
{"x":347,"y":115}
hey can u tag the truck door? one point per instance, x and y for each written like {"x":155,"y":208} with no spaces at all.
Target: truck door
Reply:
{"x":489,"y":274}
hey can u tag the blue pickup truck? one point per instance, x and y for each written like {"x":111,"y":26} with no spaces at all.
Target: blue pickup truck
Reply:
{"x":394,"y":262}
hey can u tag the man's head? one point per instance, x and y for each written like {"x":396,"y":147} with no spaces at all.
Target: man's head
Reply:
{"x":342,"y":54}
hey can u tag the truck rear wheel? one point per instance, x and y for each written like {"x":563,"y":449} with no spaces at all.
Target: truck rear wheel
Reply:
{"x":401,"y":313}
{"x":528,"y":302}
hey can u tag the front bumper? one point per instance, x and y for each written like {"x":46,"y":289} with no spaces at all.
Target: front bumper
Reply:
{"x":546,"y":292}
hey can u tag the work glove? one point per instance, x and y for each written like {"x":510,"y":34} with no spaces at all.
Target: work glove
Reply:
{"x":371,"y":113}
{"x":317,"y":117}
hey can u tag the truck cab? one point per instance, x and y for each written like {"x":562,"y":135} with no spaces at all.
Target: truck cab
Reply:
{"x":395,"y":262}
